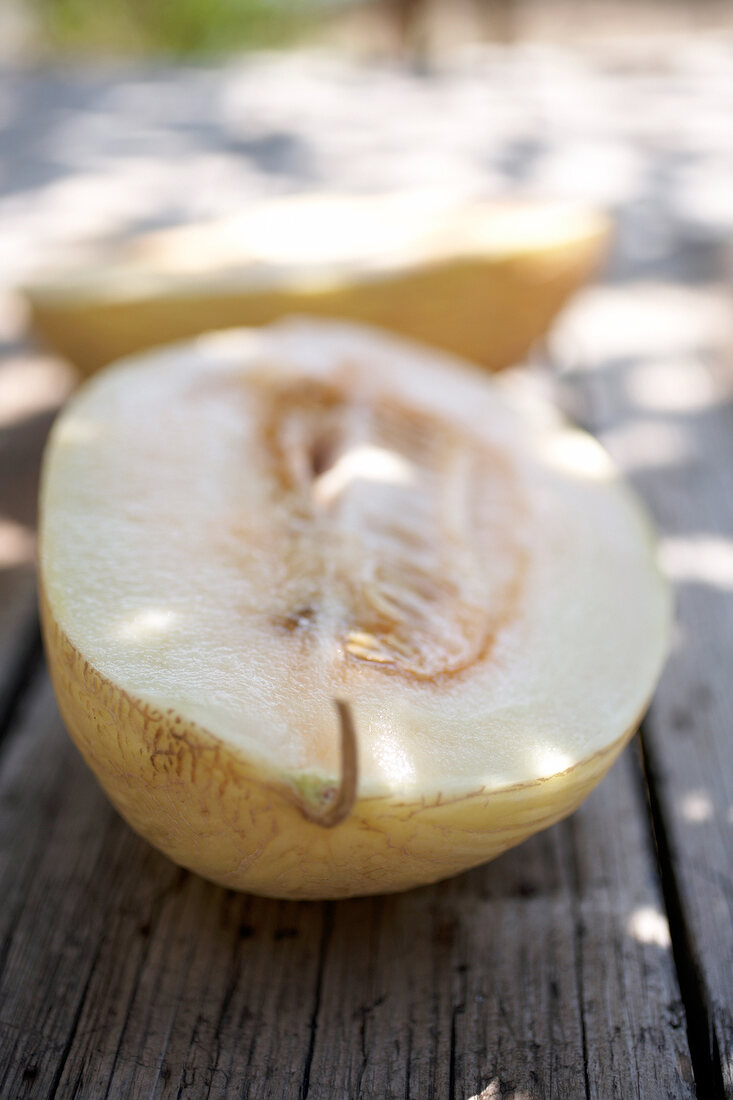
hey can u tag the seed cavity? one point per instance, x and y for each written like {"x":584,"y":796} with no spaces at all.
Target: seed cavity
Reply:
{"x":322,"y":453}
{"x":402,"y":528}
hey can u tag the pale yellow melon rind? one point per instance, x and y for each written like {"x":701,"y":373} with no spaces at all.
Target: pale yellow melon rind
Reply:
{"x":490,"y":310}
{"x":229,"y":814}
{"x":209,"y":809}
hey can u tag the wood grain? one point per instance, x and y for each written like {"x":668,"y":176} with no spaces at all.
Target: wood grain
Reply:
{"x":666,"y":414}
{"x":125,"y":976}
{"x":30,"y":392}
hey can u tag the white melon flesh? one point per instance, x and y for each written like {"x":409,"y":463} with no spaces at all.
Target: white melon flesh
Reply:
{"x":239,"y":531}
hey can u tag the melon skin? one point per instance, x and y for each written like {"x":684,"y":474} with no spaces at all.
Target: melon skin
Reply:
{"x":206,"y":807}
{"x":488,"y":305}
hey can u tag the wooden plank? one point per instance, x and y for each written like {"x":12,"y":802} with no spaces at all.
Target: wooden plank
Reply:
{"x":31,"y":390}
{"x":628,"y":982}
{"x":656,"y":372}
{"x":19,"y":636}
{"x":60,"y":855}
{"x":124,"y":976}
{"x":113,"y":954}
{"x":523,"y":978}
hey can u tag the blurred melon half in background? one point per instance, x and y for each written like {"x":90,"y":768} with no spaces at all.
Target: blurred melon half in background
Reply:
{"x":483,"y":280}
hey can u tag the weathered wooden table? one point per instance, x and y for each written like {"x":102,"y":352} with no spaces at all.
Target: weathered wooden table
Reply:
{"x":595,"y":960}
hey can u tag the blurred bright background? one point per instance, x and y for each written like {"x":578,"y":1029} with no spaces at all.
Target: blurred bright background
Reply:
{"x":135,"y":114}
{"x":198,"y":27}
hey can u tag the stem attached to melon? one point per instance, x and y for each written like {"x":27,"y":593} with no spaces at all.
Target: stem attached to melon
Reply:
{"x":332,"y":805}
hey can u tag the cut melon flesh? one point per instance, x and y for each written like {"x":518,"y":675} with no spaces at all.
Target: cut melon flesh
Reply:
{"x":239,"y":531}
{"x":483,"y":279}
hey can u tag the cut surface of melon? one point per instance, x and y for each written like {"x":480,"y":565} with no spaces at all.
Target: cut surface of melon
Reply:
{"x":483,"y":279}
{"x":239,"y":531}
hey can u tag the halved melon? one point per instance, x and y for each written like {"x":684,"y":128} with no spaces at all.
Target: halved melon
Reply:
{"x":483,"y":280}
{"x":331,"y":614}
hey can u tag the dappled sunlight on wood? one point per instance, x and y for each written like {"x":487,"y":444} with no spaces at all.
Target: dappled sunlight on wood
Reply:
{"x":607,"y":326}
{"x":494,"y":1091}
{"x":696,"y":806}
{"x":699,"y":559}
{"x":670,"y":386}
{"x":650,"y":444}
{"x":17,"y":544}
{"x":649,"y":925}
{"x":32,"y":384}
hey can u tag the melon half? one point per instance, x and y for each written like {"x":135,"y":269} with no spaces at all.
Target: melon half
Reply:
{"x":331,"y":614}
{"x":480,"y":279}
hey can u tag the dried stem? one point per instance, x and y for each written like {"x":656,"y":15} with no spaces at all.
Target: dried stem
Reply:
{"x":340,"y":803}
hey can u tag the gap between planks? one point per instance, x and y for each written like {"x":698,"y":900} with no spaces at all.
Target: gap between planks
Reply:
{"x":709,"y":1085}
{"x":22,"y":671}
{"x":597,"y":400}
{"x":705,"y":1057}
